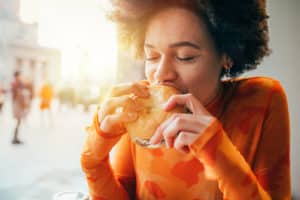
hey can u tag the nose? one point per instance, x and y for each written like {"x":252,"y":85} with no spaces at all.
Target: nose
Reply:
{"x":165,"y":71}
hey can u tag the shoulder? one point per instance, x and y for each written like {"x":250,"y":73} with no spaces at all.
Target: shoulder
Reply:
{"x":263,"y":86}
{"x":262,"y":92}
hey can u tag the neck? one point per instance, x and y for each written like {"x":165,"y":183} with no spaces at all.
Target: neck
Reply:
{"x":214,"y":94}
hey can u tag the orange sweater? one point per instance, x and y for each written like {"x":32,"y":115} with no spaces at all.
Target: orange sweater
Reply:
{"x":245,"y":157}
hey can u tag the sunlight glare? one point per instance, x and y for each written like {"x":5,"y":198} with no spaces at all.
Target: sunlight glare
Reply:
{"x":79,"y":29}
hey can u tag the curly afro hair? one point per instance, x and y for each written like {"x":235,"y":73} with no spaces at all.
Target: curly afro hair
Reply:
{"x":239,"y":28}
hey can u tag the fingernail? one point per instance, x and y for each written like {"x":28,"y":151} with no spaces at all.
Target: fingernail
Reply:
{"x":152,"y":140}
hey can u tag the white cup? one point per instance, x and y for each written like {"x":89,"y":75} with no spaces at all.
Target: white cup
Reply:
{"x":70,"y":195}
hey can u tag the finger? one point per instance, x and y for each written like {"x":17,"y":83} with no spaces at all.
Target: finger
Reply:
{"x":176,"y":124}
{"x":138,"y":88}
{"x":184,"y":140}
{"x":123,"y":103}
{"x":112,"y":124}
{"x":158,"y":134}
{"x":169,"y":129}
{"x":115,"y":123}
{"x":187,"y":100}
{"x":156,"y":138}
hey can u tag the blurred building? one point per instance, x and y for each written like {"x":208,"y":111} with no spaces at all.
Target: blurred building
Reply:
{"x":19,"y":48}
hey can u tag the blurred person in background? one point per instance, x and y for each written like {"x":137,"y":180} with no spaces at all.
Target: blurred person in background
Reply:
{"x":22,"y":95}
{"x":46,"y":93}
{"x":234,"y":143}
{"x":2,"y":97}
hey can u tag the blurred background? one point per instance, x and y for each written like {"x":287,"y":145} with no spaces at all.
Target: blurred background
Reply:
{"x":70,"y":47}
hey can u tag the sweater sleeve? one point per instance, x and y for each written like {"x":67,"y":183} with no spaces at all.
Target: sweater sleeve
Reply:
{"x":269,"y":177}
{"x":102,"y":180}
{"x":272,"y":163}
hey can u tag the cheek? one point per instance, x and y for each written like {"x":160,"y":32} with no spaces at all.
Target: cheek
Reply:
{"x":191,"y":74}
{"x":198,"y":76}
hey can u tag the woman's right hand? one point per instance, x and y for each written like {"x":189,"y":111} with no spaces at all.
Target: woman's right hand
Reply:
{"x":121,"y":107}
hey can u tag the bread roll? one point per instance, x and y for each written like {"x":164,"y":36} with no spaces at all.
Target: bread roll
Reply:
{"x":152,"y":114}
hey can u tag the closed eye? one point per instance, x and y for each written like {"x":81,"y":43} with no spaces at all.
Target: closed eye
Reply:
{"x":189,"y":58}
{"x":152,"y":58}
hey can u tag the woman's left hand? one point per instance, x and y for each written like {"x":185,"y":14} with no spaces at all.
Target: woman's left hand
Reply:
{"x":182,"y":129}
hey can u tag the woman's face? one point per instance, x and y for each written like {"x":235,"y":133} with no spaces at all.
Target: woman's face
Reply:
{"x":180,"y":52}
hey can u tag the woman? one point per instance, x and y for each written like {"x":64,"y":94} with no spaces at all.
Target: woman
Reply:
{"x":234,"y":143}
{"x":22,"y":95}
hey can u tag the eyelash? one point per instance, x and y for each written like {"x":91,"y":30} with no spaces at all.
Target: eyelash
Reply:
{"x":184,"y":59}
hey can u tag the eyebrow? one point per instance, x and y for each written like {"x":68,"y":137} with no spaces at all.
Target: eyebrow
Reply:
{"x":178,"y":44}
